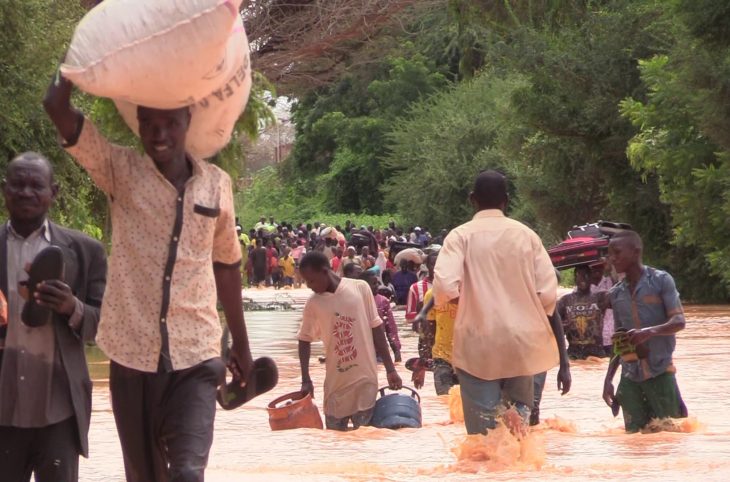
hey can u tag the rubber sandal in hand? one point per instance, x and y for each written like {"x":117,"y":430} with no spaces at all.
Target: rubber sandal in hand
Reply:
{"x":47,"y":265}
{"x":263,"y":378}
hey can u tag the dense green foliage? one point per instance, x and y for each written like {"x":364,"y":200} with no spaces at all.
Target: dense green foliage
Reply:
{"x":446,"y":140}
{"x":341,"y":136}
{"x":34,"y":34}
{"x":272,"y":197}
{"x":608,"y":109}
{"x":596,"y":110}
{"x":683,"y":129}
{"x":554,"y":126}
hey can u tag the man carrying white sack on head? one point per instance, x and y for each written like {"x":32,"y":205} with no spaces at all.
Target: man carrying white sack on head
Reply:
{"x":175,"y":246}
{"x":174,"y":237}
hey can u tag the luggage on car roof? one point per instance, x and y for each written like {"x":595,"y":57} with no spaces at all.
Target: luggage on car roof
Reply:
{"x":586,"y":244}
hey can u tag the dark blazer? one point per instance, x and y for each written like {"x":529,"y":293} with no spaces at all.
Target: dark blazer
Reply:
{"x":85,"y":273}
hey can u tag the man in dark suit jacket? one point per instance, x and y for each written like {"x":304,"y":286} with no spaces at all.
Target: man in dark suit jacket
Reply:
{"x":45,"y":389}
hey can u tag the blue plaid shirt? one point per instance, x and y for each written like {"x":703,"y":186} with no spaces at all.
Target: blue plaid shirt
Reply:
{"x":654,"y":301}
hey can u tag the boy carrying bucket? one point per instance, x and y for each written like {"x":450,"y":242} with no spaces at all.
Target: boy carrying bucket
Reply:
{"x":342,"y":313}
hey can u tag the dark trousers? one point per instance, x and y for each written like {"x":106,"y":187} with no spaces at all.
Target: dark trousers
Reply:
{"x":51,"y":452}
{"x":165,"y":420}
{"x":444,"y":376}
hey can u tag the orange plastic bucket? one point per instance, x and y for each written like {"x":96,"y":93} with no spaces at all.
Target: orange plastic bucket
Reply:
{"x":294,"y":410}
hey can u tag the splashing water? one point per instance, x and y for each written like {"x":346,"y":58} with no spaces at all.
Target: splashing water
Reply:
{"x":577,"y":440}
{"x":560,"y":424}
{"x":679,"y":425}
{"x":500,"y":449}
{"x":456,"y":410}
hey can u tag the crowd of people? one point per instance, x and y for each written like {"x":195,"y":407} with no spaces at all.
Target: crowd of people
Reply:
{"x":483,"y":297}
{"x":273,"y":250}
{"x":473,"y":340}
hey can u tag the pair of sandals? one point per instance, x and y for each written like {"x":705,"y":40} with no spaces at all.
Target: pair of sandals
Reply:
{"x":49,"y":265}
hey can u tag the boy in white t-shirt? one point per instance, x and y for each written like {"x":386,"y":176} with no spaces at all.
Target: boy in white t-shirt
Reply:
{"x":342,"y":314}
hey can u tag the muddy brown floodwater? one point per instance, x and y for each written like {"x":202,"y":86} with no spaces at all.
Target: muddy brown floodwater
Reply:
{"x":579,"y":439}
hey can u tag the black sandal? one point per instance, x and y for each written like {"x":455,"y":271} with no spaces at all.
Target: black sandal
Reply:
{"x":47,"y":265}
{"x":263,"y":378}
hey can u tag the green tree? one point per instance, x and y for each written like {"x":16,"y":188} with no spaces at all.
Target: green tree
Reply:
{"x":33,"y":36}
{"x":437,"y":150}
{"x":570,"y":160}
{"x":559,"y":133}
{"x":341,"y":131}
{"x":683,"y":125}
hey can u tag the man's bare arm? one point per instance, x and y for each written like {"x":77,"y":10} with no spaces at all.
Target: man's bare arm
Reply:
{"x":57,"y":104}
{"x":228,"y":286}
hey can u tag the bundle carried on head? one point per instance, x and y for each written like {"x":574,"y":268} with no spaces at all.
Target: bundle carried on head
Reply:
{"x":167,"y":55}
{"x":410,"y":254}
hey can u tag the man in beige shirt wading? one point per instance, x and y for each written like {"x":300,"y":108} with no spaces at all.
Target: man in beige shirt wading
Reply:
{"x":174,"y":247}
{"x":501,"y":276}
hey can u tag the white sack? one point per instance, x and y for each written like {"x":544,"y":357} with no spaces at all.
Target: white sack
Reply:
{"x":162,"y":54}
{"x":214,"y":116}
{"x":409,"y":254}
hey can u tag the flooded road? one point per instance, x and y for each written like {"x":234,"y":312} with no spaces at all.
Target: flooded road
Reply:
{"x":580,"y":440}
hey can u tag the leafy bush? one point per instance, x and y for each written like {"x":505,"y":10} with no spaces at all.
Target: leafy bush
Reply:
{"x":267,"y":195}
{"x":437,"y":150}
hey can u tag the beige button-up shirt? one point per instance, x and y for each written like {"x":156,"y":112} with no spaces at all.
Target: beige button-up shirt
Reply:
{"x":160,"y":300}
{"x":506,"y":285}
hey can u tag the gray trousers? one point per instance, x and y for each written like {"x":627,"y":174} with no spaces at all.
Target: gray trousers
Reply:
{"x":165,"y":420}
{"x":482,"y":400}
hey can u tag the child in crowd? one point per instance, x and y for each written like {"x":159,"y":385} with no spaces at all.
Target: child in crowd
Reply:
{"x":603,"y":278}
{"x":352,"y":271}
{"x":249,"y":265}
{"x":272,"y":264}
{"x":342,"y":313}
{"x":287,"y":268}
{"x":582,"y":314}
{"x":435,"y":327}
{"x":336,"y":260}
{"x":418,"y":290}
{"x":275,"y":271}
{"x":367,"y":261}
{"x":350,"y":257}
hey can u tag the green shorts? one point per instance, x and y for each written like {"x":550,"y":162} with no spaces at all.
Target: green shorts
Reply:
{"x":640,"y":402}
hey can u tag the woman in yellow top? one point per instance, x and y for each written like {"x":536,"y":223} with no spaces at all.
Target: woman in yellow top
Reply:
{"x":438,"y":319}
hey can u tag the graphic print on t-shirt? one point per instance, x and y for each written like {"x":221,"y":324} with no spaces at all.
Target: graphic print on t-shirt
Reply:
{"x":344,"y":342}
{"x":584,"y":321}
